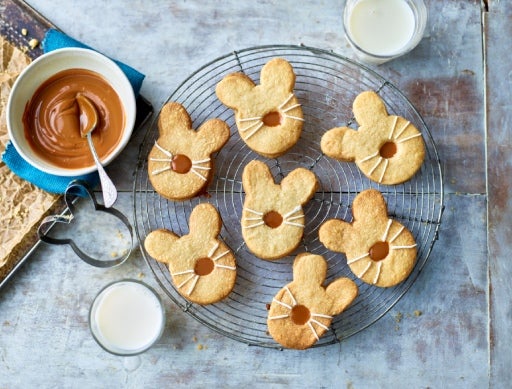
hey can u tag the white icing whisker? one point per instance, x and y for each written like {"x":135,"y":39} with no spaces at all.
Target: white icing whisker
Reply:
{"x":182,"y":272}
{"x":254,"y":225}
{"x":158,"y":171}
{"x":386,"y":163}
{"x":255,"y":212}
{"x":402,"y":130}
{"x":350,"y":261}
{"x":393,"y":127}
{"x":388,"y":226}
{"x":397,"y":234}
{"x":168,"y":153}
{"x":254,"y":131}
{"x":281,"y":303}
{"x":291,"y":296}
{"x":187,"y":280}
{"x":192,"y":287}
{"x":198,"y":174}
{"x":278,"y":317}
{"x":403,"y":247}
{"x":249,"y":119}
{"x":313,"y":330}
{"x":285,"y":102}
{"x":375,"y":166}
{"x":319,"y":324}
{"x":365,"y":270}
{"x":294,"y":118}
{"x":379,"y":266}
{"x":408,"y":138}
{"x":225,"y":267}
{"x":212,"y":251}
{"x":370,"y":157}
{"x":292,"y":107}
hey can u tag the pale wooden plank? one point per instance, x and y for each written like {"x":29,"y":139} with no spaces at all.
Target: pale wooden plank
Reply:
{"x":499,"y":147}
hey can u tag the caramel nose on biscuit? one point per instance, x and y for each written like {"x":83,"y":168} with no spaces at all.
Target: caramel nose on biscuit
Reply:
{"x":388,"y":150}
{"x":181,"y":164}
{"x":300,"y":314}
{"x":272,"y":119}
{"x":379,"y":251}
{"x":273,"y":219}
{"x":204,"y":266}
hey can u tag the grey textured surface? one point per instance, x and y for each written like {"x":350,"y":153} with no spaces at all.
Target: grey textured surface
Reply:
{"x":460,"y":339}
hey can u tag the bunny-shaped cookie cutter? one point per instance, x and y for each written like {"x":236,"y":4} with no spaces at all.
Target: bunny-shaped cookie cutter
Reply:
{"x":78,"y":189}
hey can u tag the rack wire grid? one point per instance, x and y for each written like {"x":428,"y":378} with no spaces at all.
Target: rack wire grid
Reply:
{"x":326,"y":85}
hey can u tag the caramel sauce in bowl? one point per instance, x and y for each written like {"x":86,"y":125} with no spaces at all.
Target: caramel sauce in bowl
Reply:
{"x":43,"y":119}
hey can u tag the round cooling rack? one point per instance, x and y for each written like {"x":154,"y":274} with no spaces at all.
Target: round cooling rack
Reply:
{"x":326,"y":85}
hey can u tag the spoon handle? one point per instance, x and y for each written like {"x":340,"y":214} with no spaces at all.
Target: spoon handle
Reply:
{"x":107,"y":186}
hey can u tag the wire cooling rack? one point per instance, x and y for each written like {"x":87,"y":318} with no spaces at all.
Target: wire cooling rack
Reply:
{"x":326,"y":86}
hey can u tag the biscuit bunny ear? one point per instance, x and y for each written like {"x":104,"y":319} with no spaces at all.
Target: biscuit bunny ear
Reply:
{"x":299,"y":185}
{"x":233,"y":88}
{"x":278,"y":74}
{"x":214,"y":134}
{"x":256,"y":174}
{"x":340,"y":143}
{"x":333,"y":233}
{"x":342,"y":292}
{"x":309,"y":269}
{"x":204,"y":221}
{"x":174,"y":117}
{"x":158,"y":244}
{"x":369,"y":108}
{"x":369,"y":206}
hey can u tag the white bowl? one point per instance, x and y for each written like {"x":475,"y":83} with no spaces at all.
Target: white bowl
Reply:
{"x":41,"y":70}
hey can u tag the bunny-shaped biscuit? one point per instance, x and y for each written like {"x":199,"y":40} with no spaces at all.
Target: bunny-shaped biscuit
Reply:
{"x":268,"y":116}
{"x":202,"y":267}
{"x":272,"y":216}
{"x":388,"y":149}
{"x":303,"y":310}
{"x":179,"y":164}
{"x":379,"y":250}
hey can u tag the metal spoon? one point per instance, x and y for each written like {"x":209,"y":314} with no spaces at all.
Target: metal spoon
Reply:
{"x":88,"y":123}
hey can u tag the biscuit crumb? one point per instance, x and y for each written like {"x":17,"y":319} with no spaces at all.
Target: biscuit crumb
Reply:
{"x":200,"y":346}
{"x":33,"y":43}
{"x":398,"y":317}
{"x":417,"y":313}
{"x":141,"y":275}
{"x":24,"y":32}
{"x":194,"y":339}
{"x":113,"y":254}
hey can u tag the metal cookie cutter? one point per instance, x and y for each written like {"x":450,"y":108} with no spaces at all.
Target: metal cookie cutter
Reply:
{"x":74,"y":190}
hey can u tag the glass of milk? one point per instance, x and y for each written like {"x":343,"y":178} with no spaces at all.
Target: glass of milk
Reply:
{"x":127,"y":317}
{"x":380,"y":30}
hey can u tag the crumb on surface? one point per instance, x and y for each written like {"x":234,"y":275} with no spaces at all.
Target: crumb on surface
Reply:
{"x":24,"y":32}
{"x":33,"y":43}
{"x":398,"y":317}
{"x":417,"y":313}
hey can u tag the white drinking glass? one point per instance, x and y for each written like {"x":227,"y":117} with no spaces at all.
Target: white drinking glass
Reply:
{"x":381,"y":30}
{"x":127,"y":317}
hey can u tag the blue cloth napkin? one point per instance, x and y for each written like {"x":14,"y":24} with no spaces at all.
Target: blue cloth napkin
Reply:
{"x":51,"y":183}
